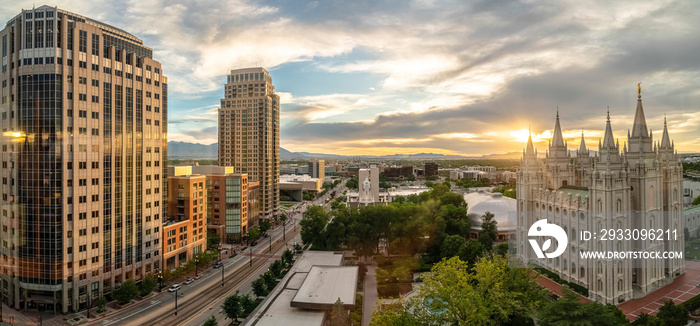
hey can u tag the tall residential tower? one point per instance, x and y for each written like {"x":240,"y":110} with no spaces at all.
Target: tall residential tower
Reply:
{"x":249,"y":138}
{"x":84,"y":110}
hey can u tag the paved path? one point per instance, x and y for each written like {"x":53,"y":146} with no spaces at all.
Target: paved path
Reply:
{"x":369,"y":301}
{"x":680,"y":290}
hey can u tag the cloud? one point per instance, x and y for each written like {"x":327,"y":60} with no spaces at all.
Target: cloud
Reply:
{"x":454,"y":76}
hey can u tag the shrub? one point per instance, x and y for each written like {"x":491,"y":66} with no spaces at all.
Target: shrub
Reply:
{"x":388,"y":290}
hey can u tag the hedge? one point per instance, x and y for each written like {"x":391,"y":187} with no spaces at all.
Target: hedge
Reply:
{"x":555,"y":277}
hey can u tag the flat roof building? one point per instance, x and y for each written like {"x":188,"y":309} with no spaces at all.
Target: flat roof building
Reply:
{"x":302,"y":298}
{"x":184,"y":233}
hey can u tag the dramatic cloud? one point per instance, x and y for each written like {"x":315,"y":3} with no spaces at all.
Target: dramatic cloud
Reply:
{"x":425,"y":76}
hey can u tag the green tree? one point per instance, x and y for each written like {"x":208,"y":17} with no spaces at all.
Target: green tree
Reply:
{"x":270,"y":280}
{"x":696,"y":201}
{"x":211,"y":322}
{"x":254,"y":233}
{"x":339,"y":316}
{"x":148,"y":284}
{"x":213,"y":240}
{"x":126,"y":292}
{"x":312,"y":225}
{"x":276,"y":268}
{"x":232,"y":307}
{"x":451,"y":246}
{"x":493,"y":295}
{"x":471,"y":251}
{"x":502,"y":249}
{"x":264,"y":226}
{"x":352,"y":183}
{"x":686,"y":233}
{"x":489,"y":231}
{"x":287,"y":257}
{"x":397,"y":315}
{"x":248,"y":303}
{"x":672,"y":315}
{"x":568,"y":311}
{"x":259,"y":287}
{"x":101,"y":304}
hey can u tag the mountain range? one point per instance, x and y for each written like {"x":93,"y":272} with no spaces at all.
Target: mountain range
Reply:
{"x":185,"y":150}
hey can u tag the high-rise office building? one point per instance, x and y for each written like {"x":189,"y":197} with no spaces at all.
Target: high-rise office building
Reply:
{"x":249,"y":129}
{"x":84,"y":110}
{"x":317,"y":169}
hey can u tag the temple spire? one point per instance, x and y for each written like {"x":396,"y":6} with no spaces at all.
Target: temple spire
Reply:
{"x":582,"y":147}
{"x":608,"y":140}
{"x":557,"y":139}
{"x":639,"y":128}
{"x":530,"y":149}
{"x":665,"y":139}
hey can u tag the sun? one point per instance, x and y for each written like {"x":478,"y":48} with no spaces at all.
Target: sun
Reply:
{"x":523,"y":134}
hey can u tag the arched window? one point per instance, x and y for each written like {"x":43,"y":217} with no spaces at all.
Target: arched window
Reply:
{"x":600,"y":205}
{"x":619,"y":205}
{"x":619,"y":285}
{"x":650,"y":198}
{"x":582,"y":272}
{"x":600,"y":285}
{"x":573,"y":234}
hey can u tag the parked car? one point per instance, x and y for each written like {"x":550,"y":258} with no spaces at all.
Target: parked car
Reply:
{"x":174,"y":287}
{"x":188,"y":281}
{"x":254,"y":243}
{"x":218,"y":265}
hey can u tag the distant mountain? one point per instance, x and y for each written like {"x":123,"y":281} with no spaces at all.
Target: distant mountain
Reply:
{"x":285,"y":154}
{"x":185,"y":150}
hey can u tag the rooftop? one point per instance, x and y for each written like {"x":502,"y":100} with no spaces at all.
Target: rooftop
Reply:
{"x":326,"y":284}
{"x":503,"y":209}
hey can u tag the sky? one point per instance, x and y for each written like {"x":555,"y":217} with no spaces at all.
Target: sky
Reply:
{"x":450,"y":77}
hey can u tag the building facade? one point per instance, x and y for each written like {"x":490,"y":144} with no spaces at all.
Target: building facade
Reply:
{"x":249,"y":133}
{"x":228,"y":201}
{"x":184,"y":232}
{"x":430,"y":169}
{"x":636,"y":187}
{"x":317,"y":169}
{"x":84,"y":115}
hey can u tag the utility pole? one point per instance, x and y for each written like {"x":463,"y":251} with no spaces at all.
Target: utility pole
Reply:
{"x":251,"y":255}
{"x":176,"y":302}
{"x":222,"y":274}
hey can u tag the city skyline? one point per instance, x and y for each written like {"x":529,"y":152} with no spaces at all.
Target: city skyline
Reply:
{"x":380,"y":78}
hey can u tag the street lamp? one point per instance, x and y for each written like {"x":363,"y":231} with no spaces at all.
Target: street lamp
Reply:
{"x":222,"y":274}
{"x":251,"y":256}
{"x":196,"y":267}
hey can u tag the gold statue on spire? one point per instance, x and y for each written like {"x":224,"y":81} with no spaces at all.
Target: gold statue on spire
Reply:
{"x":639,"y":88}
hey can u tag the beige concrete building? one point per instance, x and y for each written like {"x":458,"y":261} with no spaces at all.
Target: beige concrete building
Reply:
{"x":184,"y":232}
{"x":317,"y":169}
{"x":84,"y":111}
{"x":249,"y":133}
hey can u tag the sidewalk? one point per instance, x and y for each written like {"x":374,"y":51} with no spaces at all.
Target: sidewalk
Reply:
{"x":369,"y":302}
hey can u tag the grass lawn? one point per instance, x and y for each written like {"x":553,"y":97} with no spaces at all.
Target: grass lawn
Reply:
{"x":692,"y":249}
